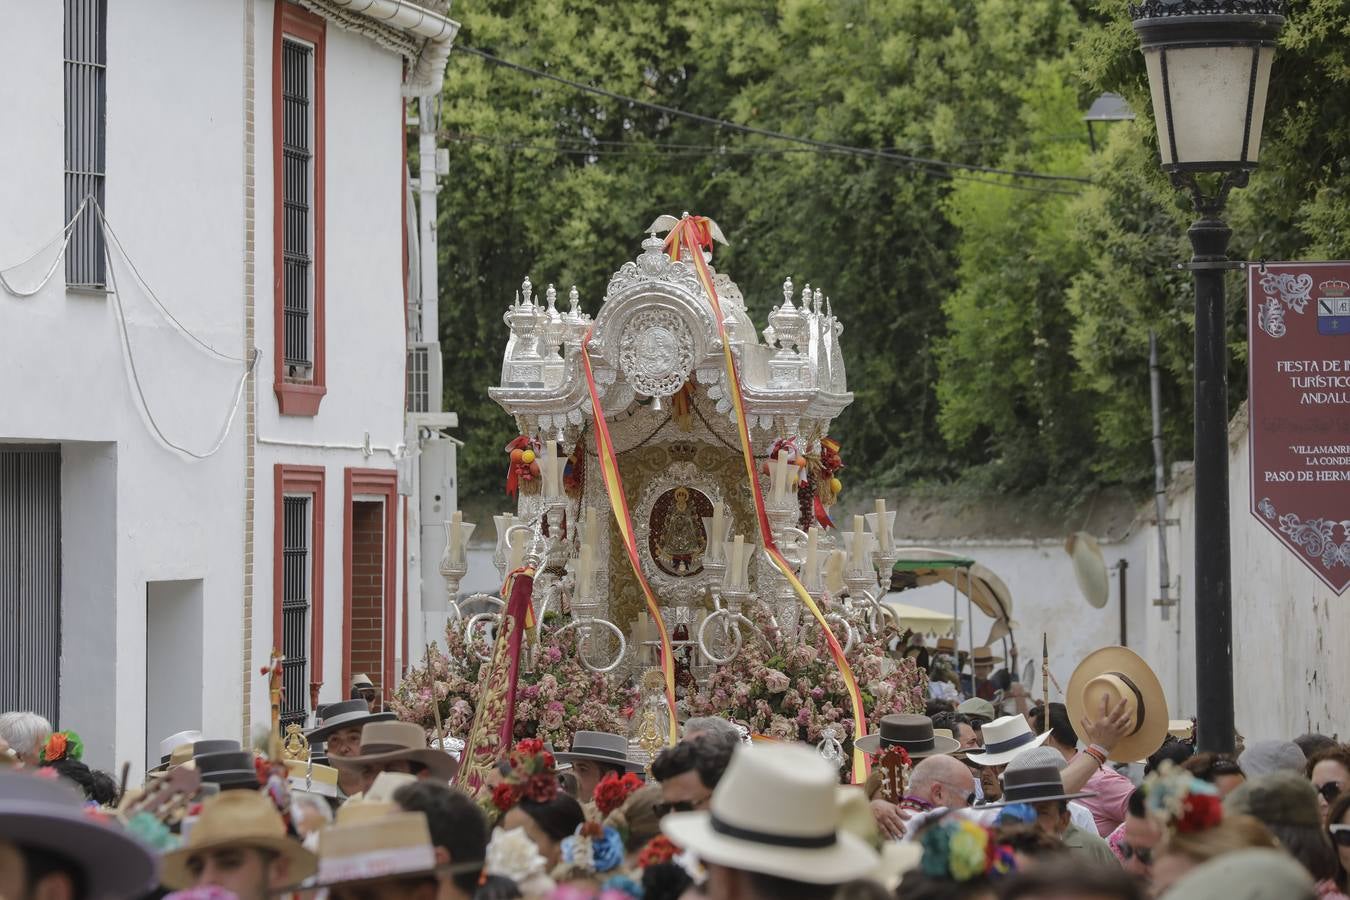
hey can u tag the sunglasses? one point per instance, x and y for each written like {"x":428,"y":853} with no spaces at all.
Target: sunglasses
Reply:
{"x":1329,"y":790}
{"x":1143,"y":854}
{"x":664,"y":809}
{"x":1340,"y":834}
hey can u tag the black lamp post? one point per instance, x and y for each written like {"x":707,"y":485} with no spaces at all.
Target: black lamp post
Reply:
{"x":1208,"y":69}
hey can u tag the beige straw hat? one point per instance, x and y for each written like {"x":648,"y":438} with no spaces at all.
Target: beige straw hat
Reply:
{"x":1118,"y":673}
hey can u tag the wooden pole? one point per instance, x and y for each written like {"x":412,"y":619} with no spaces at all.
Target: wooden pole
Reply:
{"x":1045,"y":680}
{"x":435,"y":701}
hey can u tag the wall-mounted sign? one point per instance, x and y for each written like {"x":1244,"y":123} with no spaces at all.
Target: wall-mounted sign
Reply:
{"x":1299,"y":410}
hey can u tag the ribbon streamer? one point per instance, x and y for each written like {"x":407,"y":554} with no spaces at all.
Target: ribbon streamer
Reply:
{"x":693,"y":234}
{"x":618,"y":502}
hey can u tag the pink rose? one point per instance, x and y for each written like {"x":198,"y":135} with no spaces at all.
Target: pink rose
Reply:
{"x":776,"y":681}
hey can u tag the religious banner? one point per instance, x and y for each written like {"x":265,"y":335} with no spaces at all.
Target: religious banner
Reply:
{"x":1299,"y":410}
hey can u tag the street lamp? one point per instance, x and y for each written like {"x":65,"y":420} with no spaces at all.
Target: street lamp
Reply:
{"x":1107,"y":107}
{"x":1208,"y":69}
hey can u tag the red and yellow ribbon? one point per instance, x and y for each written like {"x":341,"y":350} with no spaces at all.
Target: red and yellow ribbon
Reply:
{"x":692,"y":234}
{"x":618,"y":501}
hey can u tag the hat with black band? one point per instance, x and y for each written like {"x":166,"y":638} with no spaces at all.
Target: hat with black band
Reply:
{"x":601,"y":747}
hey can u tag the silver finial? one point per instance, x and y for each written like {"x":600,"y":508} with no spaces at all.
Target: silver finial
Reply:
{"x":787,"y":292}
{"x":573,"y":300}
{"x":527,"y":290}
{"x":820,"y":296}
{"x":552,"y":295}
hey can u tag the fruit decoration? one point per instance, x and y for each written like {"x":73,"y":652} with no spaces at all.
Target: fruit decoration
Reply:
{"x":522,"y":471}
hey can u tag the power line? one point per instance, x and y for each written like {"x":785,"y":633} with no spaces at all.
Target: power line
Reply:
{"x":764,"y":132}
{"x":627,"y":148}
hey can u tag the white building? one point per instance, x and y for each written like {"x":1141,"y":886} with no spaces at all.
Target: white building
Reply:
{"x":167,"y":517}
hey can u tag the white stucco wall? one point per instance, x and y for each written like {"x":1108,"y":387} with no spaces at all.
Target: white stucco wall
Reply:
{"x":174,"y":195}
{"x":1046,"y":599}
{"x":135,"y":511}
{"x":364,"y":308}
{"x":1288,"y":627}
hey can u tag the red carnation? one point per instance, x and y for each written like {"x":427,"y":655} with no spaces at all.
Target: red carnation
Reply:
{"x":658,"y":850}
{"x":503,"y":797}
{"x":542,"y":787}
{"x":1199,"y":812}
{"x":612,"y":791}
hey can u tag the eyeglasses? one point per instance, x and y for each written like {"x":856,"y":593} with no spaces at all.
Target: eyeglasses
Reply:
{"x":1143,"y":854}
{"x":1340,"y":834}
{"x":1329,"y":790}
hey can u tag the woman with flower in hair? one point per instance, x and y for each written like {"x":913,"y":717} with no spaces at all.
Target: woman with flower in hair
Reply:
{"x":528,"y":797}
{"x":1195,"y":828}
{"x":961,"y":861}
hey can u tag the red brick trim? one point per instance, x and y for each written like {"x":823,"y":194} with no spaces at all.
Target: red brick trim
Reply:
{"x":300,"y":480}
{"x":298,"y":398}
{"x":368,"y":482}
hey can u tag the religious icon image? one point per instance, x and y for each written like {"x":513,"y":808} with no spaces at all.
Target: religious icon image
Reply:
{"x":678,"y":540}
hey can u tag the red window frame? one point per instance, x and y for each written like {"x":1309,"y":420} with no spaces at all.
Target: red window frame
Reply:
{"x":298,"y":398}
{"x":382,"y":483}
{"x":288,"y":479}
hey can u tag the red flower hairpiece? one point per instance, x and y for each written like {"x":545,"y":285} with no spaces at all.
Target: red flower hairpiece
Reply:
{"x":659,"y":849}
{"x":531,"y":773}
{"x":613,"y":790}
{"x":1199,"y":812}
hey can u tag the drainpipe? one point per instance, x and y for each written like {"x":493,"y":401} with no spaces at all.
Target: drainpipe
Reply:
{"x":429,"y":116}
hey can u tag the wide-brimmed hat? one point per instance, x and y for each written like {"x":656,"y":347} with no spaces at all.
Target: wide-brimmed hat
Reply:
{"x":312,"y":777}
{"x":775,"y":812}
{"x":977,"y":708}
{"x":373,"y":842}
{"x":227,"y":768}
{"x":1258,"y":873}
{"x":172,"y":743}
{"x":346,"y":714}
{"x":1003,"y":739}
{"x":236,"y":819}
{"x":914,"y":733}
{"x":985,"y":655}
{"x":49,"y":814}
{"x":1034,"y":782}
{"x":1118,"y":673}
{"x":601,"y":747}
{"x":385,"y":742}
{"x":948,"y":646}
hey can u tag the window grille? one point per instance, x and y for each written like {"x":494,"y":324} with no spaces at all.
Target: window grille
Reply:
{"x":295,"y":608}
{"x":86,"y":57}
{"x":30,"y":580}
{"x":297,"y":68}
{"x":418,"y":382}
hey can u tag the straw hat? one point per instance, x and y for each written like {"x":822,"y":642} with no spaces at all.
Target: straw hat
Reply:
{"x":345,"y":714}
{"x":601,"y":747}
{"x":172,"y":743}
{"x":985,"y":656}
{"x":49,"y":814}
{"x":1118,"y":673}
{"x":775,"y":811}
{"x":236,"y":819}
{"x":1003,"y":739}
{"x":914,"y":733}
{"x":312,"y":778}
{"x":376,"y":842}
{"x":386,"y":742}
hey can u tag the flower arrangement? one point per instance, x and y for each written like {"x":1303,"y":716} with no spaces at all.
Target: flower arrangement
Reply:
{"x":789,"y":689}
{"x":614,"y":789}
{"x":531,"y":773}
{"x":1180,"y":801}
{"x":61,"y":745}
{"x":554,"y":700}
{"x":511,"y":853}
{"x":958,"y":849}
{"x":593,"y":849}
{"x":659,"y":849}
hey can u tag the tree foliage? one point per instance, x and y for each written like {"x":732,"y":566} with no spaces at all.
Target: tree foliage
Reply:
{"x":992,"y":333}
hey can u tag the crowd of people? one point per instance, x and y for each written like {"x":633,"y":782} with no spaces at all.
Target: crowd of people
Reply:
{"x":1101,"y":797}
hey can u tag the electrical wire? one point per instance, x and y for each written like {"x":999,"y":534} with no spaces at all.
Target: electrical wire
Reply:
{"x":136,"y":377}
{"x":507,"y":143}
{"x":64,"y":237}
{"x":769,"y":133}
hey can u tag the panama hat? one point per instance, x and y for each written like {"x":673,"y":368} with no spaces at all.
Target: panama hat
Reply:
{"x":984,"y":655}
{"x":373,"y":842}
{"x":386,"y":742}
{"x":1118,"y":673}
{"x":600,"y":747}
{"x":236,"y":819}
{"x":912,"y":732}
{"x":1003,"y":739}
{"x":172,"y":743}
{"x":49,"y":814}
{"x":345,"y":714}
{"x":775,"y":812}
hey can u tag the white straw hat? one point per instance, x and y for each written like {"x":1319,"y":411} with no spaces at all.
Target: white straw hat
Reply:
{"x":1005,"y":738}
{"x":774,"y":811}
